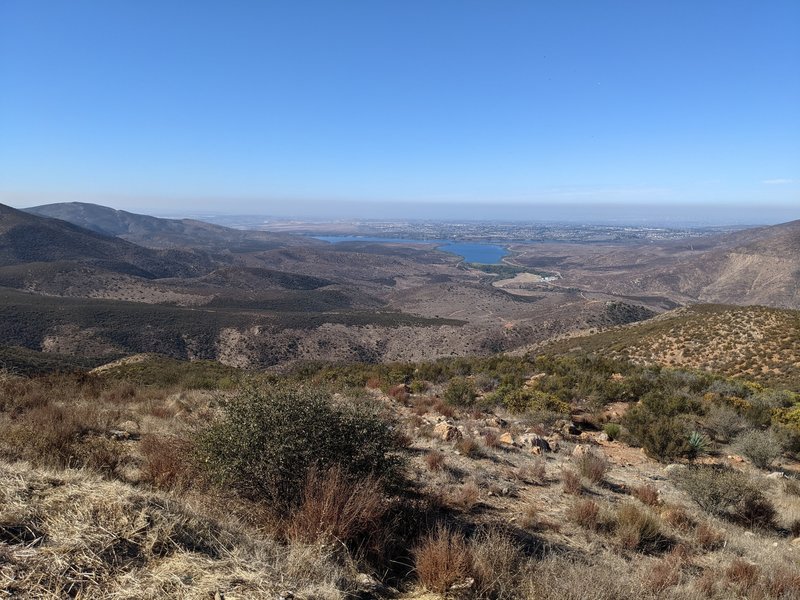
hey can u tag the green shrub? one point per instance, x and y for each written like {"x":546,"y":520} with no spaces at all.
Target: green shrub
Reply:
{"x":662,"y":438}
{"x":726,"y":493}
{"x":268,"y":439}
{"x":460,"y":392}
{"x":612,"y":430}
{"x":761,"y":447}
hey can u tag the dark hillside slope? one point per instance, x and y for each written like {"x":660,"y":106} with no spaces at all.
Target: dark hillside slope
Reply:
{"x":155,"y":232}
{"x":26,"y":238}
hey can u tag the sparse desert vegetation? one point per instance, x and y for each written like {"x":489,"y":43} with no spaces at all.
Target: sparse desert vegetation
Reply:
{"x":326,"y":481}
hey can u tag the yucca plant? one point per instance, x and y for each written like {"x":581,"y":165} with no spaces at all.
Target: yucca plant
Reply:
{"x":699,"y":443}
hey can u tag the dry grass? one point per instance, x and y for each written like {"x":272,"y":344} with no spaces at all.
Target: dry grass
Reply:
{"x":571,"y":482}
{"x":591,"y":466}
{"x":707,"y":537}
{"x":336,"y":507}
{"x":743,"y":573}
{"x":585,"y":513}
{"x":442,"y":559}
{"x":434,"y":460}
{"x":102,"y":539}
{"x":533,"y":472}
{"x":498,"y":565}
{"x":466,"y":497}
{"x":638,"y":529}
{"x":166,"y":462}
{"x":470,"y":447}
{"x":646,"y":494}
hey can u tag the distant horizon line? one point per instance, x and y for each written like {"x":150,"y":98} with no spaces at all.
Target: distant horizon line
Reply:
{"x":620,"y":213}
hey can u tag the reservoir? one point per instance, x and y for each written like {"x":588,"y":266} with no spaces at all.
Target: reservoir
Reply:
{"x":474,"y":252}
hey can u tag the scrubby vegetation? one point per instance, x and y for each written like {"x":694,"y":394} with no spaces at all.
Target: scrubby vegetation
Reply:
{"x":501,"y":477}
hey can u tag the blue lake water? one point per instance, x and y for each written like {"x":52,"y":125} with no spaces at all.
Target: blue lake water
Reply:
{"x":487,"y":254}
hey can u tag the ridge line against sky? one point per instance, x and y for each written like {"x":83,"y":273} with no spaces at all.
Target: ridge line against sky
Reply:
{"x":253,"y":106}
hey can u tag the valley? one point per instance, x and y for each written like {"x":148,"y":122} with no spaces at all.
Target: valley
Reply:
{"x":257,"y":299}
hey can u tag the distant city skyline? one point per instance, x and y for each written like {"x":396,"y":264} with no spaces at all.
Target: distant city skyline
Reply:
{"x":391,"y":108}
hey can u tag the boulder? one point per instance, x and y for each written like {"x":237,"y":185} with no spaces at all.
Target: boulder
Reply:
{"x":565,"y":427}
{"x":447,"y":432}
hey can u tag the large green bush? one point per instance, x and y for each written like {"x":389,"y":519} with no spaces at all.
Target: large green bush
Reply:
{"x":269,"y":438}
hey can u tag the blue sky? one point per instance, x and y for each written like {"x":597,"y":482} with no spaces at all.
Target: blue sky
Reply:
{"x":269,"y":106}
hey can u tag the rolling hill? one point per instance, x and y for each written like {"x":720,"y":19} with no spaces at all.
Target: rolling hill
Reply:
{"x":754,"y":342}
{"x":154,"y":232}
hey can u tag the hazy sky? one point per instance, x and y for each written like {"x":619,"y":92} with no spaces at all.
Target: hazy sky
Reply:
{"x":263,"y":106}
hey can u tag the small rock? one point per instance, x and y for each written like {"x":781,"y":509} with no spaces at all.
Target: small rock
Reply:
{"x":506,"y":439}
{"x":566,"y":427}
{"x":465,"y":585}
{"x":447,"y":432}
{"x":602,"y":437}
{"x":776,"y":475}
{"x":673,"y":468}
{"x":495,"y":422}
{"x":372,"y":586}
{"x":535,"y":441}
{"x":795,"y":541}
{"x":130,"y":426}
{"x":581,"y":450}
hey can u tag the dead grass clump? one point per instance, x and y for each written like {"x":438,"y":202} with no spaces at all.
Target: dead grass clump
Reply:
{"x":585,"y":513}
{"x":337,"y":507}
{"x":679,"y":518}
{"x":664,"y":574}
{"x":497,"y":565}
{"x":442,"y":559}
{"x":791,"y":486}
{"x":466,"y":497}
{"x":591,"y":466}
{"x":529,"y":519}
{"x":51,"y":435}
{"x":646,"y":494}
{"x":742,"y":573}
{"x":638,"y":529}
{"x":444,"y":409}
{"x":533,"y":472}
{"x":167,"y":463}
{"x":707,"y":583}
{"x":781,"y":581}
{"x":708,"y":538}
{"x":491,"y":439}
{"x":571,"y":482}
{"x":470,"y":447}
{"x":434,"y":460}
{"x":118,"y":392}
{"x":420,"y":405}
